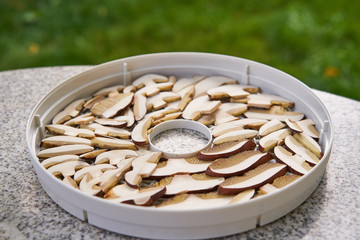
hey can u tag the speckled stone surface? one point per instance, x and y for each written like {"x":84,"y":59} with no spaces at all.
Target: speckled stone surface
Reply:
{"x":26,"y":211}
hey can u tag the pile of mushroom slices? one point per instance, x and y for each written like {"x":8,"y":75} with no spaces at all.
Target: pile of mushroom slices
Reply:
{"x":99,"y":145}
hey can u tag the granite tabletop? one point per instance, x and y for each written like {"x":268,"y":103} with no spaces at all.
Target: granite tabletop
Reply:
{"x":27,"y":212}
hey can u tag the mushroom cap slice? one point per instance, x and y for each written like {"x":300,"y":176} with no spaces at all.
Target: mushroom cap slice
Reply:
{"x":268,"y":100}
{"x":105,"y":131}
{"x":306,"y":126}
{"x":66,"y":169}
{"x":227,"y":112}
{"x":139,"y":107}
{"x":112,"y":143}
{"x":66,"y":149}
{"x":160,"y":100}
{"x":296,"y":164}
{"x":72,"y":110}
{"x":235,"y":136}
{"x":149,"y":79}
{"x":59,"y":159}
{"x":237,"y":125}
{"x":199,"y":106}
{"x":296,"y":147}
{"x":111,"y":106}
{"x":270,"y":127}
{"x":309,"y":143}
{"x":64,"y":140}
{"x":70,"y":131}
{"x":275,"y":138}
{"x":127,"y":116}
{"x":231,"y":90}
{"x":277,"y":112}
{"x":81,"y":119}
{"x":89,"y":185}
{"x":139,"y":132}
{"x":115,"y":156}
{"x":94,"y":171}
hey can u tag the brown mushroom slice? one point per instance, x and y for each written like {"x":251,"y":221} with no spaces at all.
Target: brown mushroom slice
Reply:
{"x":72,"y":110}
{"x":111,"y":122}
{"x":59,"y":159}
{"x":139,"y":133}
{"x":227,"y":112}
{"x":143,"y":197}
{"x":180,"y":165}
{"x":225,"y":150}
{"x":296,"y":147}
{"x":111,"y":106}
{"x":235,"y":136}
{"x":237,"y":164}
{"x":208,"y":83}
{"x":112,"y":143}
{"x":63,"y":150}
{"x":252,"y":179}
{"x":81,"y":119}
{"x":94,"y":171}
{"x":306,"y":126}
{"x":274,"y":112}
{"x":278,"y":183}
{"x":92,"y":101}
{"x":139,"y":107}
{"x":296,"y":164}
{"x":160,"y":100}
{"x":93,"y":154}
{"x":235,"y":91}
{"x":105,"y":131}
{"x":109,"y":90}
{"x":115,"y":156}
{"x":152,"y":90}
{"x":148,"y":80}
{"x":268,"y":100}
{"x":128,"y":116}
{"x":237,"y":125}
{"x":270,"y":127}
{"x":271,"y":140}
{"x":67,"y":168}
{"x":61,"y":140}
{"x":186,"y":82}
{"x":185,"y":183}
{"x":309,"y":143}
{"x":243,"y":196}
{"x":69,"y":181}
{"x":143,"y":166}
{"x":70,"y":131}
{"x":199,"y":106}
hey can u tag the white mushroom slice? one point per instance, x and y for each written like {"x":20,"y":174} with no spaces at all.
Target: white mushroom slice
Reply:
{"x":296,"y":147}
{"x":275,"y":138}
{"x":139,"y":106}
{"x":92,"y":101}
{"x":125,"y":194}
{"x":115,"y":156}
{"x":160,"y":100}
{"x":66,"y":149}
{"x":270,"y":127}
{"x":59,"y":159}
{"x":93,"y":154}
{"x":143,"y":166}
{"x":94,"y":171}
{"x":306,"y":126}
{"x":275,"y":112}
{"x":235,"y":91}
{"x":243,"y":196}
{"x":139,"y":133}
{"x":167,"y":117}
{"x":199,"y":106}
{"x":203,"y":86}
{"x":90,"y":185}
{"x":237,"y":164}
{"x":67,"y":168}
{"x":278,"y":183}
{"x":185,"y":183}
{"x":227,"y":112}
{"x":186,"y":82}
{"x":179,"y":165}
{"x":267,"y":100}
{"x":152,"y":90}
{"x":82,"y":119}
{"x":72,"y":110}
{"x":109,"y":90}
{"x":127,"y":116}
{"x":101,"y":130}
{"x":252,"y":179}
{"x":148,"y":80}
{"x":56,"y":141}
{"x":111,"y":143}
{"x":156,"y":115}
{"x":225,"y":149}
{"x":237,"y":125}
{"x":69,"y":181}
{"x":129,"y":89}
{"x":296,"y":164}
{"x":187,"y":95}
{"x":70,"y":131}
{"x":111,"y":106}
{"x":309,"y":143}
{"x":235,"y":136}
{"x":207,"y":119}
{"x":111,"y":122}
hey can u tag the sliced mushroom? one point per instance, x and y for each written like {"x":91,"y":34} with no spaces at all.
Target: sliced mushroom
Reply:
{"x":278,"y":183}
{"x":252,"y":179}
{"x":62,"y":150}
{"x":275,"y":138}
{"x":109,"y":91}
{"x":154,"y":89}
{"x":111,"y":143}
{"x":101,"y":130}
{"x":243,"y":196}
{"x":82,"y":119}
{"x":139,"y":106}
{"x":237,"y":125}
{"x":167,"y":117}
{"x":267,"y":100}
{"x":111,"y":106}
{"x":129,"y":89}
{"x":187,"y":95}
{"x":186,"y":82}
{"x":93,"y":154}
{"x":90,"y":185}
{"x":139,"y":133}
{"x":148,"y":80}
{"x":235,"y":91}
{"x":270,"y":127}
{"x":199,"y":106}
{"x":69,"y":181}
{"x":296,"y":164}
{"x":72,"y":110}
{"x":60,"y":140}
{"x":92,"y":101}
{"x":160,"y":100}
{"x":59,"y":159}
{"x":127,"y":116}
{"x":235,"y":136}
{"x":70,"y":131}
{"x":94,"y":171}
{"x":306,"y":126}
{"x":111,"y":122}
{"x":274,"y":112}
{"x":66,"y":169}
{"x":208,"y":83}
{"x":115,"y":156}
{"x":309,"y":143}
{"x":296,"y":147}
{"x":227,"y":112}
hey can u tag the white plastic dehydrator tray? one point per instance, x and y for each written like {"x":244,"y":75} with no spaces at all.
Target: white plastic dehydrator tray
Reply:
{"x":179,"y":224}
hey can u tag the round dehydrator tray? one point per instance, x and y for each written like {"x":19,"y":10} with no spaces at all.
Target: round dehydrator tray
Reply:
{"x":180,"y":224}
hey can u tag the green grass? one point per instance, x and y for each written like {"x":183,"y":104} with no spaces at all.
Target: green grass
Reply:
{"x":315,"y":41}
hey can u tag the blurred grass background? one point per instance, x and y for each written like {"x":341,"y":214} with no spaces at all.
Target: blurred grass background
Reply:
{"x":315,"y":41}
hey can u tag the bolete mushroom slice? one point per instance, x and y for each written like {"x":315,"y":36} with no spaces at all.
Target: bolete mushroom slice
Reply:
{"x":187,"y":95}
{"x":111,"y":122}
{"x":243,"y":196}
{"x":152,"y":90}
{"x":90,"y":185}
{"x":139,"y":132}
{"x":108,"y":90}
{"x":148,"y":80}
{"x":143,"y":197}
{"x":63,"y":150}
{"x":128,"y":117}
{"x":186,"y":82}
{"x":70,"y":131}
{"x":199,"y":106}
{"x":93,"y":154}
{"x":227,"y":112}
{"x":69,"y":181}
{"x":240,"y":124}
{"x":92,"y":101}
{"x":274,"y":112}
{"x":112,"y":143}
{"x":208,"y":83}
{"x":143,"y":166}
{"x":252,"y":179}
{"x":105,"y":131}
{"x":115,"y":156}
{"x":278,"y":183}
{"x":296,"y":147}
{"x":139,"y":107}
{"x":81,"y":119}
{"x":66,"y":169}
{"x":94,"y":171}
{"x":306,"y":126}
{"x":245,"y":134}
{"x":111,"y":106}
{"x":225,"y":149}
{"x":167,"y":117}
{"x":275,"y":138}
{"x":71,"y":111}
{"x":235,"y":91}
{"x":60,"y":140}
{"x":160,"y":100}
{"x":296,"y":164}
{"x":180,"y":165}
{"x":270,"y":127}
{"x":267,"y":100}
{"x":309,"y":143}
{"x":237,"y":164}
{"x":59,"y":159}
